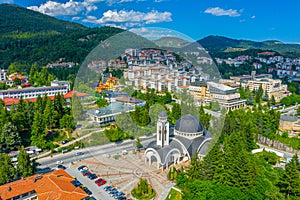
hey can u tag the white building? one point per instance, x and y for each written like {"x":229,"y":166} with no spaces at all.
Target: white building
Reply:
{"x":28,"y":93}
{"x":3,"y":74}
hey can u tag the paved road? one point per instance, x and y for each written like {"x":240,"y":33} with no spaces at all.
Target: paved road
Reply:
{"x":90,"y":152}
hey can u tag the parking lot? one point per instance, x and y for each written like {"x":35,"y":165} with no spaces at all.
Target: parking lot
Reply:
{"x":122,"y":172}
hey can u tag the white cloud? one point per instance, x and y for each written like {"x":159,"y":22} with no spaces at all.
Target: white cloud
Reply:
{"x":6,"y":1}
{"x":130,"y":18}
{"x":111,"y":2}
{"x":76,"y":18}
{"x":217,"y":11}
{"x":253,"y":17}
{"x":69,"y":8}
{"x":154,"y":33}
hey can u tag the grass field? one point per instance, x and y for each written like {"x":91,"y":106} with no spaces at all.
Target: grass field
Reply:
{"x":174,"y":195}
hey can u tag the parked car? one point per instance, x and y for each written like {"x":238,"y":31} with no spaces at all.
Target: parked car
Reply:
{"x":117,"y":195}
{"x":87,"y":191}
{"x":92,"y":176}
{"x":106,"y":188}
{"x":89,"y":198}
{"x":59,"y":162}
{"x":81,"y":167}
{"x":124,"y":152}
{"x":113,"y":193}
{"x":76,"y":183}
{"x":113,"y":190}
{"x":60,"y":167}
{"x":64,"y":150}
{"x":87,"y":173}
{"x":100,"y":182}
{"x":83,"y":171}
{"x":79,"y":153}
{"x":65,"y":142}
{"x":122,"y":198}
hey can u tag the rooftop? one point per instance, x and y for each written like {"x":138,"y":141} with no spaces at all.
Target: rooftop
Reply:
{"x":111,"y":109}
{"x":53,"y":185}
{"x":10,"y":101}
{"x":220,"y":86}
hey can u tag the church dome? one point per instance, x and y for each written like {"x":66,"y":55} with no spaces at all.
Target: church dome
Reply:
{"x":188,"y":124}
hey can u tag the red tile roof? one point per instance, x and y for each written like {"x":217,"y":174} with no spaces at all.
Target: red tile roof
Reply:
{"x":54,"y":185}
{"x":10,"y":101}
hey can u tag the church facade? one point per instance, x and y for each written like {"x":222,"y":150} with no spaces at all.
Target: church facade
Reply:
{"x":178,"y":143}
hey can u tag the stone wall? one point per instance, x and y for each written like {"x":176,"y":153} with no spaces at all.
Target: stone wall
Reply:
{"x":276,"y":145}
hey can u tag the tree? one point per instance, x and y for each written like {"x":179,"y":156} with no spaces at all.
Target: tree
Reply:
{"x":38,"y":137}
{"x":215,"y":106}
{"x":272,"y":101}
{"x":290,"y":181}
{"x":17,"y":81}
{"x":24,"y":164}
{"x":101,"y":102}
{"x":250,"y":100}
{"x":143,"y":190}
{"x":68,"y":123}
{"x":77,"y":108}
{"x":9,"y":136}
{"x":298,"y":110}
{"x":7,"y":170}
{"x":204,"y":117}
{"x":266,"y":96}
{"x":48,"y":114}
{"x":176,"y":112}
{"x":138,"y":143}
{"x":194,"y":170}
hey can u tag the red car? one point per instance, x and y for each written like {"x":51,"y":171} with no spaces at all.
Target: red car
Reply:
{"x":100,"y":182}
{"x":86,"y":173}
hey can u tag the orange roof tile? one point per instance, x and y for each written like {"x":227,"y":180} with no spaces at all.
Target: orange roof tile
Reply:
{"x":54,"y":185}
{"x":9,"y":101}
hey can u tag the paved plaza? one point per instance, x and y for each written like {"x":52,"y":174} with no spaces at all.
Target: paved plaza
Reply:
{"x":124,"y":171}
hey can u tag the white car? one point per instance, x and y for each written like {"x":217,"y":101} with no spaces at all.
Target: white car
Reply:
{"x":124,"y":152}
{"x":60,"y":162}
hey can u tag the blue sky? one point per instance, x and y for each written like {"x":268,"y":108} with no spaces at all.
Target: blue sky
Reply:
{"x":240,"y":19}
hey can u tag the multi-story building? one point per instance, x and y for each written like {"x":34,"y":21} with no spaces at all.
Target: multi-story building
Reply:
{"x":61,"y":83}
{"x":28,"y":93}
{"x":206,"y":93}
{"x":272,"y":87}
{"x":53,"y":185}
{"x":3,"y":74}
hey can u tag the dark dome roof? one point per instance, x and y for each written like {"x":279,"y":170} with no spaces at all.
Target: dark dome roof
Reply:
{"x":163,"y":114}
{"x":188,"y":124}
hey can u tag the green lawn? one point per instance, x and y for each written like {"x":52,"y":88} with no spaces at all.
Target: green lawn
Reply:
{"x":97,"y":138}
{"x":174,"y":195}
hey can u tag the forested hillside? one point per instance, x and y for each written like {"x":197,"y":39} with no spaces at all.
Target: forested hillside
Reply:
{"x":30,"y":37}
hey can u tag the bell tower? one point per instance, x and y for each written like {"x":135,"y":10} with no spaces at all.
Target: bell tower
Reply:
{"x":163,"y":132}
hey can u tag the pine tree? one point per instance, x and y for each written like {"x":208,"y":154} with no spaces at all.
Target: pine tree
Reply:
{"x":250,"y":100}
{"x":7,"y":170}
{"x":24,"y":164}
{"x":238,"y":169}
{"x":10,"y":136}
{"x":204,"y":117}
{"x":266,"y":96}
{"x":38,"y":137}
{"x":290,"y":181}
{"x":176,"y":111}
{"x":48,"y":114}
{"x":272,"y":101}
{"x":194,"y":170}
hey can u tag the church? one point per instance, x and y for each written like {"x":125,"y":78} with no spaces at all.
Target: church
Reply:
{"x":177,"y":143}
